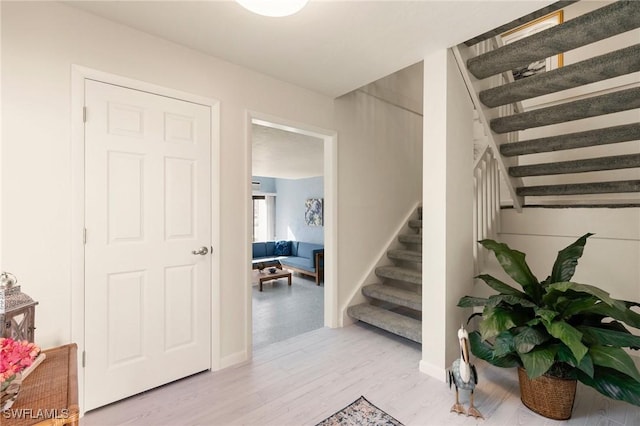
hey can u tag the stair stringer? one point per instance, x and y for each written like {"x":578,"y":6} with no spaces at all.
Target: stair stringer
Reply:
{"x":356,"y":297}
{"x":463,"y":53}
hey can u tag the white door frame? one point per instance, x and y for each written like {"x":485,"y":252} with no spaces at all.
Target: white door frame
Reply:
{"x":330,"y":139}
{"x":78,"y":76}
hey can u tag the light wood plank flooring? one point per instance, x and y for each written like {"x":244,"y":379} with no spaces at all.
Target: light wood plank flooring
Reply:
{"x":301,"y":381}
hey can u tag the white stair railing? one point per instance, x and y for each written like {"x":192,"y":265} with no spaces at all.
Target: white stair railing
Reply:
{"x":463,"y":53}
{"x":486,"y":203}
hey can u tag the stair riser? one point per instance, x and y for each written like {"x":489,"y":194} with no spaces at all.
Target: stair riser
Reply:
{"x":393,"y":323}
{"x":404,"y":276}
{"x":413,"y":239}
{"x":581,"y":189}
{"x":416,"y":225}
{"x":622,"y":100}
{"x":610,"y":135}
{"x":411,"y":304}
{"x":603,"y":23}
{"x":403,"y":256}
{"x":621,"y":62}
{"x":578,"y":166}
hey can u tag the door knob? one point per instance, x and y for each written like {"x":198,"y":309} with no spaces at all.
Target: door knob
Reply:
{"x":201,"y":251}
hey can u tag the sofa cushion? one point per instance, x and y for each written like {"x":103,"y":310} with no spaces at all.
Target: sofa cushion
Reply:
{"x":259,"y":250}
{"x":282,"y":248}
{"x":307,"y":250}
{"x":271,"y":248}
{"x":299,"y":262}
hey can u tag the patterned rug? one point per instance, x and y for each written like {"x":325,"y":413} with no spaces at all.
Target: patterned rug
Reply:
{"x":360,"y":413}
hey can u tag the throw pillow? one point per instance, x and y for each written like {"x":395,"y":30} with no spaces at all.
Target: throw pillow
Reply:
{"x":283,"y":248}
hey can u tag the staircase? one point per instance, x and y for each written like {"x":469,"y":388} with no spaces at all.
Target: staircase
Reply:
{"x":567,"y":169}
{"x":395,"y":304}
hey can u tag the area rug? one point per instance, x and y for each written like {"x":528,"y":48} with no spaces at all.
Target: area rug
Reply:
{"x":360,"y":413}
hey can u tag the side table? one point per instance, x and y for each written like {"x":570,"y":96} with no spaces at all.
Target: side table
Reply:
{"x":49,"y":396}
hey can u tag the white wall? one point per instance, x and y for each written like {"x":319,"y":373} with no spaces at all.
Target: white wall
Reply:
{"x":447,"y":210}
{"x":40,"y":42}
{"x":380,"y":180}
{"x":611,"y":258}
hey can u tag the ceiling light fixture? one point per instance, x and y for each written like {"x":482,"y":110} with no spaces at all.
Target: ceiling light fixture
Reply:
{"x":274,"y":8}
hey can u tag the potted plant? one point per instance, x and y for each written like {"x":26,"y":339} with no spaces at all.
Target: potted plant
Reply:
{"x":556,"y":331}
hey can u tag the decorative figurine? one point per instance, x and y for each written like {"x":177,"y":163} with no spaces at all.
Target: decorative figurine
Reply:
{"x":463,"y":375}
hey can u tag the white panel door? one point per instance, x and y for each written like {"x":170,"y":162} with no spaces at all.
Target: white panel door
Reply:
{"x":147,"y":208}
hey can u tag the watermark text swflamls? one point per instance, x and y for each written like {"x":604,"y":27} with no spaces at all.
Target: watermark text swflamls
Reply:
{"x":39,"y":414}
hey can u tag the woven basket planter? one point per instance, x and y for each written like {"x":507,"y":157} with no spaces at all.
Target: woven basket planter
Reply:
{"x":549,"y":396}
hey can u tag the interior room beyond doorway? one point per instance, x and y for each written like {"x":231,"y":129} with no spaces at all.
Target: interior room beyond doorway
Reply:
{"x":287,"y":226}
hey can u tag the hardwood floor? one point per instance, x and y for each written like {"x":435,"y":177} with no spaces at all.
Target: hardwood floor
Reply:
{"x":301,"y":381}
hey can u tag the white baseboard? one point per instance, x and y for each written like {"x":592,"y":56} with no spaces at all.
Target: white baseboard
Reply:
{"x":233,"y":359}
{"x":433,"y":371}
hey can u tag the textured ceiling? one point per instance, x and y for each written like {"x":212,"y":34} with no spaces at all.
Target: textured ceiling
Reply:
{"x":330,"y":47}
{"x":286,"y":155}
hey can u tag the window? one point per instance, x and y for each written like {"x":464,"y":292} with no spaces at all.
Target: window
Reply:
{"x":263,"y":218}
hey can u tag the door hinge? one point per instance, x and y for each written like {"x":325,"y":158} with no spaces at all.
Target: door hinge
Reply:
{"x":84,"y":235}
{"x":84,"y":358}
{"x":84,"y":114}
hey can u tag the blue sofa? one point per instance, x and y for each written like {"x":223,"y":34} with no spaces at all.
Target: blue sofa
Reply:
{"x":299,"y":256}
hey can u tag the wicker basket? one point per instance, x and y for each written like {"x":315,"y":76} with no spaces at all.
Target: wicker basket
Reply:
{"x":549,"y":396}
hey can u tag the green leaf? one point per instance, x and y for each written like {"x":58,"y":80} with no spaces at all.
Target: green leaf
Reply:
{"x":499,"y":286}
{"x":503,"y":344}
{"x":483,"y":350}
{"x":575,"y":307}
{"x":567,"y":260}
{"x":529,"y":338}
{"x":589,"y":289}
{"x":538,"y":361}
{"x":546,"y":314}
{"x":613,"y":384}
{"x":615,"y":358}
{"x":495,"y":320}
{"x":510,"y":300}
{"x":605,"y":336}
{"x":514,"y":264}
{"x":625,"y":315}
{"x":564,"y":355}
{"x":568,"y":335}
{"x":469,"y":302}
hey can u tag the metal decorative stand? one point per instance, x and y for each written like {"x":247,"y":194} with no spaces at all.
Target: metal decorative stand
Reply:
{"x":17,"y":310}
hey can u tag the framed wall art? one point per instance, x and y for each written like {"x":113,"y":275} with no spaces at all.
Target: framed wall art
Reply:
{"x":313,"y":212}
{"x":531,"y":28}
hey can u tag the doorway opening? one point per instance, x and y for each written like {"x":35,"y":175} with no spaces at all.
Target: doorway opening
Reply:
{"x":292,"y":205}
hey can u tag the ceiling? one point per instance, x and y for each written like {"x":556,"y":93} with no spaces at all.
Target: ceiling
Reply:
{"x":330,"y":47}
{"x":285,"y":155}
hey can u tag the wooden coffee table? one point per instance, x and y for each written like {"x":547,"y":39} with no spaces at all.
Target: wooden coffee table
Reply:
{"x":268,"y":276}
